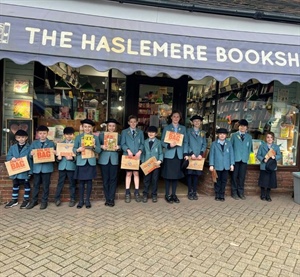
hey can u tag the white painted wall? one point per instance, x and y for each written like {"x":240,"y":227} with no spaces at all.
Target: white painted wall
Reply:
{"x":159,"y":15}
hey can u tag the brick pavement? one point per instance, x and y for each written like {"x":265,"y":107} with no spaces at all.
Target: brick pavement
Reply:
{"x":193,"y":238}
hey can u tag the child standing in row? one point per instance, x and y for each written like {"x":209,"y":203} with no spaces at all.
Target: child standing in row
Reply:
{"x":132,"y":143}
{"x":41,"y":171}
{"x":152,"y":148}
{"x":66,"y":168}
{"x":19,"y":150}
{"x":85,"y":168}
{"x":109,"y":161}
{"x":221,"y":159}
{"x":267,"y":178}
{"x":197,"y":147}
{"x":173,"y":157}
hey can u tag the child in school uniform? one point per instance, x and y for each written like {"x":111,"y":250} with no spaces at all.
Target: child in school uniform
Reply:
{"x":221,"y":159}
{"x":173,"y":157}
{"x":196,"y":148}
{"x":41,"y":171}
{"x":267,"y":177}
{"x":132,"y":144}
{"x":66,"y":168}
{"x":109,"y":161}
{"x":242,"y":146}
{"x":86,"y":169}
{"x":152,"y":148}
{"x":19,"y":150}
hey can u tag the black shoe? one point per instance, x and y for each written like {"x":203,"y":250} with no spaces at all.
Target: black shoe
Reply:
{"x":175,"y":198}
{"x":88,"y":205}
{"x":268,"y":198}
{"x":57,"y":202}
{"x":111,"y":203}
{"x":216,"y":198}
{"x":43,"y":206}
{"x":32,"y":204}
{"x":169,"y":199}
{"x":145,"y":199}
{"x":137,"y":197}
{"x":242,"y":197}
{"x":127,"y":198}
{"x":154,"y":198}
{"x":24,"y":204}
{"x":80,"y":205}
{"x":72,"y":203}
{"x":106,"y":203}
{"x":11,"y":204}
{"x":235,"y":197}
{"x":190,"y":196}
{"x":222,"y":199}
{"x":263,"y":198}
{"x":195,"y":196}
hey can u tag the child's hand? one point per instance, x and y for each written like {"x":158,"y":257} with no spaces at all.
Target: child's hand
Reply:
{"x":54,"y":152}
{"x":59,"y":157}
{"x":80,"y":149}
{"x":211,"y":168}
{"x":104,"y":147}
{"x":69,"y":158}
{"x":13,"y":159}
{"x":199,"y":157}
{"x":138,"y":154}
{"x":32,"y":152}
{"x":193,"y":157}
{"x":130,"y":154}
{"x":173,"y":144}
{"x":117,"y":147}
{"x":158,"y":163}
{"x":231,"y":168}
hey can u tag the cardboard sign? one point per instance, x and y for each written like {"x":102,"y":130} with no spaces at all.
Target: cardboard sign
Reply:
{"x":196,"y":164}
{"x":270,"y":154}
{"x":18,"y":166}
{"x":87,"y":154}
{"x":65,"y":149}
{"x":173,"y":137}
{"x":88,"y":141}
{"x":149,"y":165}
{"x":130,"y":163}
{"x":43,"y":155}
{"x":111,"y":140}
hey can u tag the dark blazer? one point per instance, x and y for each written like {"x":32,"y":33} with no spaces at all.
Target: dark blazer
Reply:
{"x":155,"y":151}
{"x":13,"y":152}
{"x":42,"y":167}
{"x":263,"y":150}
{"x":242,"y":149}
{"x":79,"y":160}
{"x":220,"y":159}
{"x":135,"y":143}
{"x":106,"y":156}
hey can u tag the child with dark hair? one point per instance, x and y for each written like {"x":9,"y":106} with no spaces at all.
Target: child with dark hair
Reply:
{"x":19,"y":150}
{"x":41,"y":171}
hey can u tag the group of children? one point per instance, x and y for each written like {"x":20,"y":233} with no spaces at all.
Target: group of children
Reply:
{"x":225,"y":155}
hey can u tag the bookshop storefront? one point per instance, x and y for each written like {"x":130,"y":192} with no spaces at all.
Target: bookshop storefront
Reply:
{"x":222,"y":75}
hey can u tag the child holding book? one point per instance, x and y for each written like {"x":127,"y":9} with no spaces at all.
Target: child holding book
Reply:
{"x":196,"y":148}
{"x":268,"y":152}
{"x":109,"y":160}
{"x":41,"y":171}
{"x":221,"y":159}
{"x":86,"y":169}
{"x":132,"y":144}
{"x":66,"y":168}
{"x":152,"y":148}
{"x":19,"y":150}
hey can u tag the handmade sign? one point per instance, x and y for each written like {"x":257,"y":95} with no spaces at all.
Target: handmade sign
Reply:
{"x":173,"y":137}
{"x":88,"y":141}
{"x":65,"y":149}
{"x":196,"y":164}
{"x":111,"y":140}
{"x":270,"y":154}
{"x":18,"y":166}
{"x":43,"y":155}
{"x":130,"y":163}
{"x":87,"y":154}
{"x":149,"y":165}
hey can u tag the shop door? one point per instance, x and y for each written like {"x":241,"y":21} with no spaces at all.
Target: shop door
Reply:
{"x":153,"y":99}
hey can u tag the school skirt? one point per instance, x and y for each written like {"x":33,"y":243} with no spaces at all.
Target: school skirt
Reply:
{"x":172,"y":169}
{"x":267,"y":179}
{"x":85,"y":172}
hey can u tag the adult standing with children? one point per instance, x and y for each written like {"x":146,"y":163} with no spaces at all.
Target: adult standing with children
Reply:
{"x":173,"y":157}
